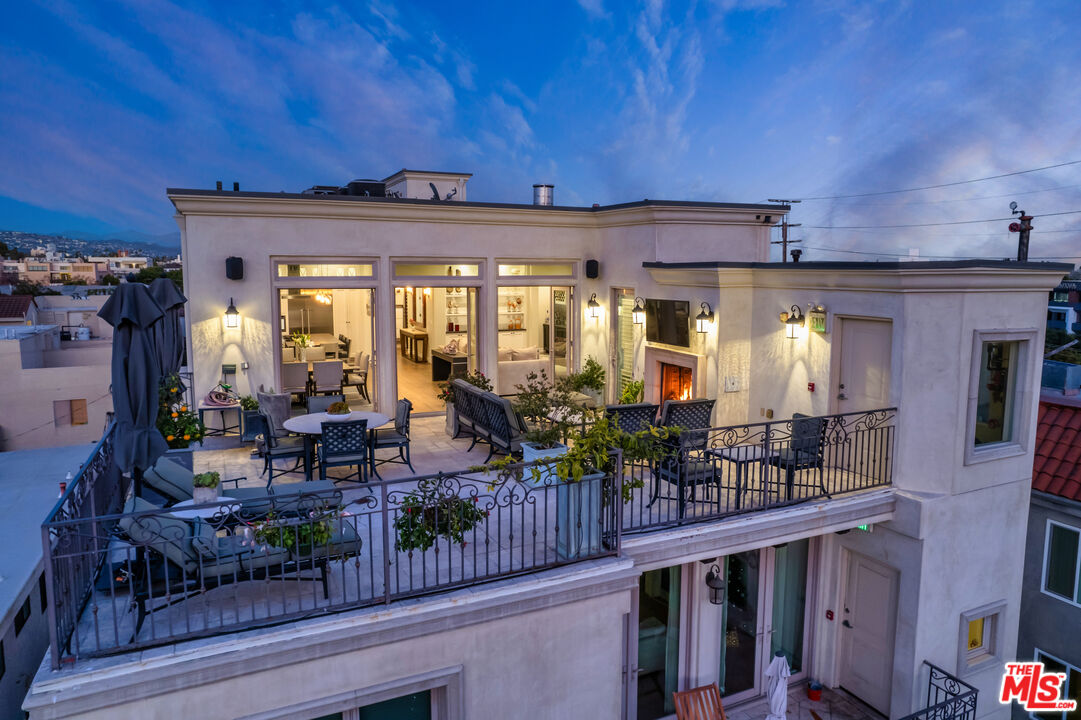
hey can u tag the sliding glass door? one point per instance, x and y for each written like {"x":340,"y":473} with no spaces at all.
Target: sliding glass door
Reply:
{"x":764,"y":614}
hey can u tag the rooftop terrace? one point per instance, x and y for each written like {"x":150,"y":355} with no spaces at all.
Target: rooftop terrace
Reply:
{"x":124,"y":575}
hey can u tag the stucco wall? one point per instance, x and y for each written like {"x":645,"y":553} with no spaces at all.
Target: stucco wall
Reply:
{"x":560,"y":663}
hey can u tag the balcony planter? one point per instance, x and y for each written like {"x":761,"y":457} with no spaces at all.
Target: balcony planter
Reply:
{"x":452,"y":420}
{"x":533,"y":451}
{"x":578,"y":515}
{"x":248,"y":423}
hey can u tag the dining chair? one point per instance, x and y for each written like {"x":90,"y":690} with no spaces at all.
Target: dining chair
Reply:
{"x":320,"y":403}
{"x":357,"y":375}
{"x":398,"y":437}
{"x":344,"y":444}
{"x":327,"y":377}
{"x":295,"y":378}
{"x":343,"y":347}
{"x":315,"y":352}
{"x":280,"y":448}
{"x":700,"y":703}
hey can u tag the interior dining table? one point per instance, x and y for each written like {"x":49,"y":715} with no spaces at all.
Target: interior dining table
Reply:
{"x":310,"y":426}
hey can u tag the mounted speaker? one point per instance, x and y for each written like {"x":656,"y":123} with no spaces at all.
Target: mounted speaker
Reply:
{"x":234,"y":268}
{"x":593,"y":269}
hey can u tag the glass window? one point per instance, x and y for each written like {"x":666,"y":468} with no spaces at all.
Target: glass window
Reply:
{"x":658,"y":641}
{"x":534,"y":269}
{"x":436,"y":270}
{"x":324,"y":270}
{"x":1072,"y":686}
{"x":789,"y":602}
{"x":22,"y":616}
{"x":1061,"y":569}
{"x":995,"y":393}
{"x":975,"y":634}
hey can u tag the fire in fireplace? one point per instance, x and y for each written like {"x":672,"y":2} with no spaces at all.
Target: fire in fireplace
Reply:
{"x":675,"y":382}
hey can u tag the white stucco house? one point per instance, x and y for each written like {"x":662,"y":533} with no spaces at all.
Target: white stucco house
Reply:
{"x":897,"y":561}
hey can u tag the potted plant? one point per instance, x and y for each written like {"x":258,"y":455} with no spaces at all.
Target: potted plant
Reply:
{"x":177,"y":423}
{"x":338,"y":410}
{"x":425,"y":515}
{"x":548,"y":408}
{"x":590,"y":381}
{"x":205,"y":487}
{"x":249,"y":409}
{"x":301,"y":537}
{"x":632,"y":392}
{"x":301,"y":341}
{"x":446,"y":394}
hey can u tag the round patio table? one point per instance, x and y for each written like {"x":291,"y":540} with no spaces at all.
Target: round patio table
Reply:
{"x":311,"y":425}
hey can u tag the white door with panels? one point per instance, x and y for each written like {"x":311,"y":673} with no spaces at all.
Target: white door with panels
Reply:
{"x":863,"y":372}
{"x":868,"y":624}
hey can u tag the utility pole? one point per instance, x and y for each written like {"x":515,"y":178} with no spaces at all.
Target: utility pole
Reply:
{"x":784,"y":242}
{"x":1022,"y":227}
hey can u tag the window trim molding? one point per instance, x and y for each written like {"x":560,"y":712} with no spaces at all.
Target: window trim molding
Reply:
{"x":995,"y":614}
{"x":1077,"y":563}
{"x":445,"y":686}
{"x":1019,"y":445}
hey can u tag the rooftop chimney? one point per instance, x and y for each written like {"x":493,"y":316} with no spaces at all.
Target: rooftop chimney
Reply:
{"x":795,"y":255}
{"x":543,"y":194}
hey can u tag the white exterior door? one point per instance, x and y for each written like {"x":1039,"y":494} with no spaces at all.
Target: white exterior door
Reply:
{"x":868,"y":621}
{"x":863,"y":376}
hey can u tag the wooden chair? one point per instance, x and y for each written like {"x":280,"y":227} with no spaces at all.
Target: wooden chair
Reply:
{"x":700,"y":703}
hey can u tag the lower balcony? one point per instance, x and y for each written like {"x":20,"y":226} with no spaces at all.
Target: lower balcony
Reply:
{"x":124,"y":574}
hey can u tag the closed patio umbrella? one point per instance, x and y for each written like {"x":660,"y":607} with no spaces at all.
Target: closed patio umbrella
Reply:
{"x":169,"y":333}
{"x":136,"y":374}
{"x":777,"y":674}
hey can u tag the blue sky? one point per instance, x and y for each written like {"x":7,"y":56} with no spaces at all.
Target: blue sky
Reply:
{"x":106,"y":104}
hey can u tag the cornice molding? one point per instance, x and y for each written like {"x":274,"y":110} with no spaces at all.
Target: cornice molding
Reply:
{"x":460,"y":213}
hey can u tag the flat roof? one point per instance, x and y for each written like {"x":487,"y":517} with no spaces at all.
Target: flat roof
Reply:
{"x":29,"y":487}
{"x":771,"y":208}
{"x":863,"y":265}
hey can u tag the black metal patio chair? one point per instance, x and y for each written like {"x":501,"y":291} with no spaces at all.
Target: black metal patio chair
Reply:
{"x":805,"y":451}
{"x":398,"y":437}
{"x":344,"y":443}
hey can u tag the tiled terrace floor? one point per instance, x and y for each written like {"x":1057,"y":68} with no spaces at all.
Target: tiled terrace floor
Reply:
{"x":834,"y":705}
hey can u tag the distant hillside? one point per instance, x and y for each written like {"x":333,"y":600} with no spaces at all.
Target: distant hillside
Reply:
{"x":82,"y":243}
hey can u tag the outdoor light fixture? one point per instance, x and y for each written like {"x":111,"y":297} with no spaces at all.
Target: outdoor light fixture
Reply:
{"x":715,"y":583}
{"x":793,"y":321}
{"x":639,"y":312}
{"x":232,"y":315}
{"x":704,"y":319}
{"x":594,"y":306}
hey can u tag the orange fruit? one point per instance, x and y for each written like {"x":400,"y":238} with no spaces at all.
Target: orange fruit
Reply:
{"x":170,"y":438}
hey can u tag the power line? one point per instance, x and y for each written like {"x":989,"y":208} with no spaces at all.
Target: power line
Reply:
{"x":981,"y":197}
{"x":917,"y":225}
{"x":942,"y":185}
{"x":935,"y":257}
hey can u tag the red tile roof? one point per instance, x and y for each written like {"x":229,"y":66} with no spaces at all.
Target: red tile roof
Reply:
{"x":1057,"y":467}
{"x":15,"y":306}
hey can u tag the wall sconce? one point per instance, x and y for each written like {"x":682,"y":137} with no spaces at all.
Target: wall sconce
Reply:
{"x":639,"y":312}
{"x":704,"y":319}
{"x":594,"y":307}
{"x":232,"y":315}
{"x":715,"y":583}
{"x":793,"y":321}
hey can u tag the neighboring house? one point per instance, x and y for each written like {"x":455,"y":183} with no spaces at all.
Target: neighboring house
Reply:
{"x":30,"y":483}
{"x":891,"y":558}
{"x":1050,"y":629}
{"x":1064,"y":307}
{"x":54,"y":392}
{"x":18,"y":310}
{"x":76,"y":313}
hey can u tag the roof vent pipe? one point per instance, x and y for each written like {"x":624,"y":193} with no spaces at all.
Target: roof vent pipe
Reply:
{"x":543,"y":194}
{"x":795,"y":254}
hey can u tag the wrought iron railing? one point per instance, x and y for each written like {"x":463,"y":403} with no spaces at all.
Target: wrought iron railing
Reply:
{"x":718,"y":472}
{"x":97,"y":490}
{"x":948,"y":697}
{"x":168,"y":576}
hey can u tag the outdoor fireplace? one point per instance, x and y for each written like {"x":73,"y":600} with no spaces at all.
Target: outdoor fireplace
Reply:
{"x":672,"y":374}
{"x":677,"y":382}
